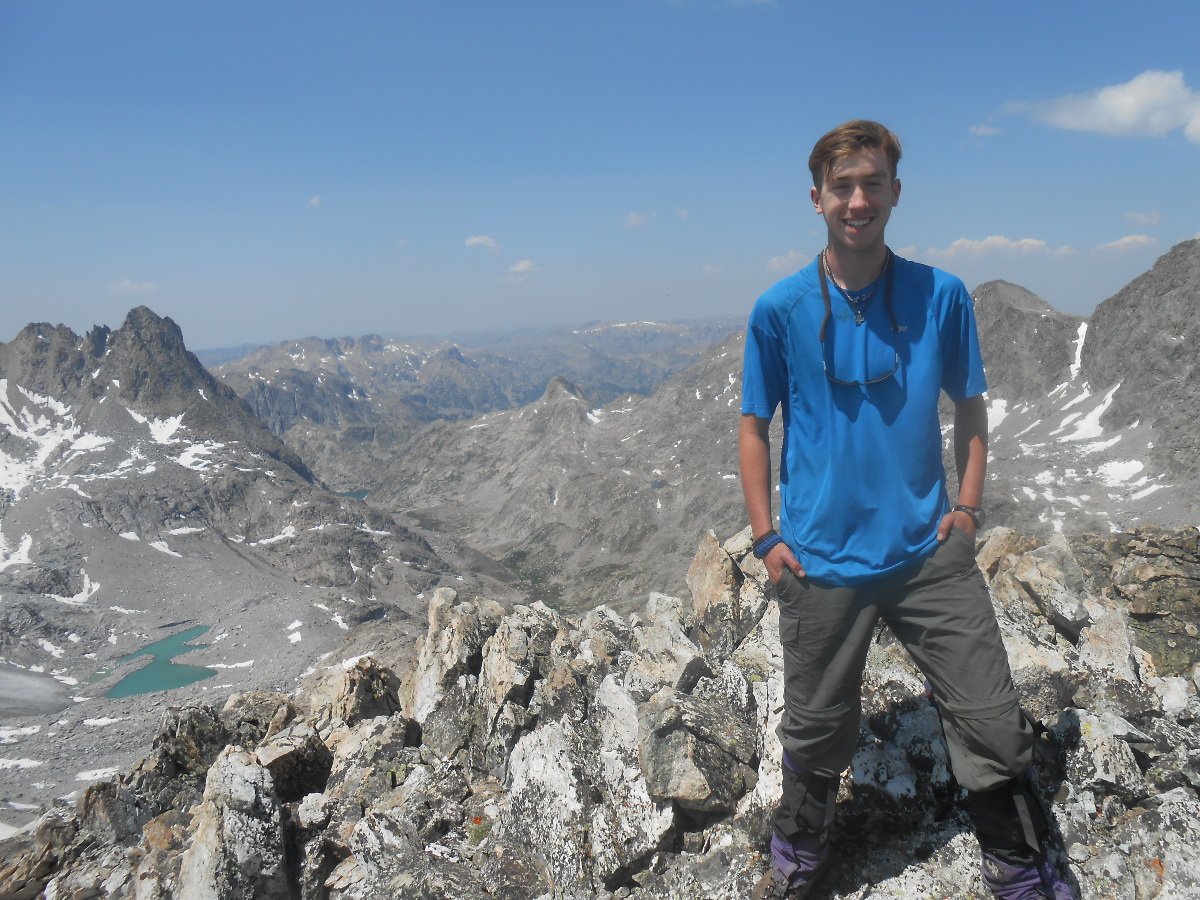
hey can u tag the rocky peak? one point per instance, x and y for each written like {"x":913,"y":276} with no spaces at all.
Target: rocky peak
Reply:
{"x":529,"y":754}
{"x":560,"y":388}
{"x":1028,"y":346}
{"x":1009,"y":294}
{"x":1144,"y":338}
{"x":49,"y":359}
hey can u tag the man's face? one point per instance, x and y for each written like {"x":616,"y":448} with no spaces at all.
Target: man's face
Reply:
{"x":857,"y":198}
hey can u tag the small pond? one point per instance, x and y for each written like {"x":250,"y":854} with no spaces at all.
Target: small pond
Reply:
{"x":161,"y":674}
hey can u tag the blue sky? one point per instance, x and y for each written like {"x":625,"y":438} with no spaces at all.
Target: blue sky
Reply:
{"x":260,"y":171}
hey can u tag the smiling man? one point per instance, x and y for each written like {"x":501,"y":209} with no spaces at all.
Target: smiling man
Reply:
{"x":854,"y":350}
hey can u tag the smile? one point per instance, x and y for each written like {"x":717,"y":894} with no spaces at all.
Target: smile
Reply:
{"x":858,"y":223}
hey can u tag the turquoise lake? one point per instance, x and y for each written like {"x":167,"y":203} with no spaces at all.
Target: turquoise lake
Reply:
{"x":161,"y":674}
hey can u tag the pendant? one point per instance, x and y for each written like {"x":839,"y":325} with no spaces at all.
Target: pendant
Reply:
{"x":859,"y":318}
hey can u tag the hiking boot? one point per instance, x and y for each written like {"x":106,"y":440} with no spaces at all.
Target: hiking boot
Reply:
{"x":1038,"y":880}
{"x":795,"y":868}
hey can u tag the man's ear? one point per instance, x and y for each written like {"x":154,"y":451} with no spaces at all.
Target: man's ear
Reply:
{"x":895,"y":192}
{"x":815,"y":196}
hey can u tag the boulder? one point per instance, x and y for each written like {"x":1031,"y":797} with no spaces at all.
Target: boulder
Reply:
{"x":663,"y":654}
{"x":236,"y":851}
{"x":298,"y":760}
{"x":364,"y":691}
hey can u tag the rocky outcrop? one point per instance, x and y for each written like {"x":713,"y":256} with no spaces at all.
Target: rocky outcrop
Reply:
{"x":1144,"y":339}
{"x":1027,"y":345}
{"x":532,"y":755}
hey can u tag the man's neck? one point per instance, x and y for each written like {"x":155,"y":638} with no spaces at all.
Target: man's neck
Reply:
{"x":854,"y":271}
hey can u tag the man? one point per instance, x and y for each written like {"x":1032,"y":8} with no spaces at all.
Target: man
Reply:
{"x":855,"y":349}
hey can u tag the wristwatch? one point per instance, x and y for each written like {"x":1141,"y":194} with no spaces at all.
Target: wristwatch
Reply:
{"x":977,"y":514}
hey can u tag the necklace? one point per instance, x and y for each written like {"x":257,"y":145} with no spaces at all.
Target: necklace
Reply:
{"x":856,"y":300}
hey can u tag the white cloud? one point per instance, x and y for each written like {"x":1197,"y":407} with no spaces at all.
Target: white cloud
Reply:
{"x":709,"y":269}
{"x":637,"y":219}
{"x":314,"y":201}
{"x":1129,"y":242}
{"x":789,"y":262}
{"x":482,"y":240}
{"x":683,"y":215}
{"x":983,"y":130}
{"x":126,"y":286}
{"x":523,"y":267}
{"x":996,"y":244}
{"x":1153,"y":103}
{"x":1147,"y":219}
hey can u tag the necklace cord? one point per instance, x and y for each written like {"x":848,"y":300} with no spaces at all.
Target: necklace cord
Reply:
{"x":889,"y":276}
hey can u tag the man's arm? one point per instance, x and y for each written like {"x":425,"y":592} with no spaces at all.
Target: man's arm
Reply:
{"x":970,"y":459}
{"x":754,"y":460}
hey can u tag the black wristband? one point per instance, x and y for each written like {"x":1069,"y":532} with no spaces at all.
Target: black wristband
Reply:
{"x":975,"y":512}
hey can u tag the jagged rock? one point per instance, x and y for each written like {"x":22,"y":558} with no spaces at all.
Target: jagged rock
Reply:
{"x":628,"y":824}
{"x":1102,"y":756}
{"x":30,"y":860}
{"x":515,"y":658}
{"x":111,"y":812}
{"x":188,"y":740}
{"x":1106,"y":654}
{"x":724,"y":605}
{"x":363,"y":691}
{"x":298,"y":760}
{"x":663,"y":654}
{"x":1161,"y":844}
{"x":253,"y":716}
{"x":687,"y":748}
{"x":997,"y":544}
{"x":369,"y":760}
{"x":441,"y":690}
{"x":547,"y":805}
{"x":236,"y":851}
{"x":1057,"y":584}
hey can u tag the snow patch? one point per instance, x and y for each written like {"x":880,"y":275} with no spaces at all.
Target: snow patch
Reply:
{"x":10,"y":735}
{"x":20,"y":764}
{"x":288,"y":532}
{"x":1079,"y":338}
{"x":20,"y":556}
{"x":1089,"y":428}
{"x":85,"y":593}
{"x":997,"y":412}
{"x":97,"y":774}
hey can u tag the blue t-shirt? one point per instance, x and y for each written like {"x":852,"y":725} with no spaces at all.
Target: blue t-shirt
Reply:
{"x":861,"y":480}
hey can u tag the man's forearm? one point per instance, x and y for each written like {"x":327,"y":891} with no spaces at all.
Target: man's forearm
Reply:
{"x":970,"y":449}
{"x":754,"y":459}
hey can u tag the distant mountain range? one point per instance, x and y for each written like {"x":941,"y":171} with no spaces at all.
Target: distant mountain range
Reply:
{"x":346,"y":404}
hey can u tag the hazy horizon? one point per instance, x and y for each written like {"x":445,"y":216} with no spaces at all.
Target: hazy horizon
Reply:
{"x":263,"y":172}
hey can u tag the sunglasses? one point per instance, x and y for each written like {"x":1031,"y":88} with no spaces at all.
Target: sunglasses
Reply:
{"x":883,"y":373}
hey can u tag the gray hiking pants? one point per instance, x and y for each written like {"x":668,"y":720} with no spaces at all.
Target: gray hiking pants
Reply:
{"x":941,"y":611}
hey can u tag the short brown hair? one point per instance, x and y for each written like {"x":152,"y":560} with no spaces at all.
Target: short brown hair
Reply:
{"x":848,"y":138}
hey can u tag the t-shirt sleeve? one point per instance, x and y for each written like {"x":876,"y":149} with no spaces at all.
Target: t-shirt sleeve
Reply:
{"x":962,"y":363}
{"x":764,"y":372}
